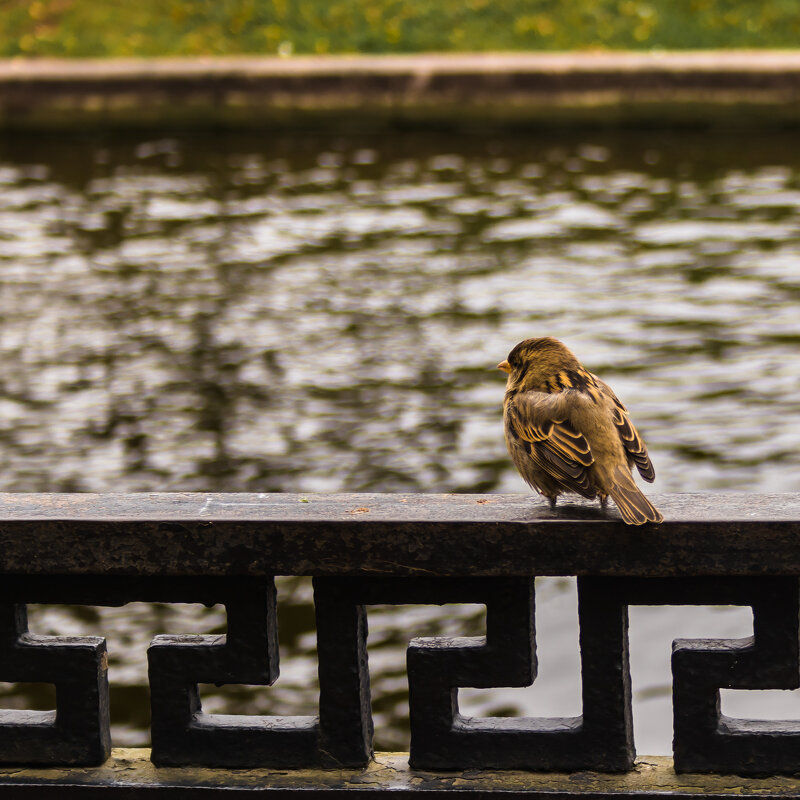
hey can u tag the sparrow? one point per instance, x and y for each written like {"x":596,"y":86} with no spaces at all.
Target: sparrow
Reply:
{"x":566,"y":431}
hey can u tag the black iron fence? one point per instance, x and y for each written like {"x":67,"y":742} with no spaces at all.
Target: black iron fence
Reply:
{"x":393,"y":549}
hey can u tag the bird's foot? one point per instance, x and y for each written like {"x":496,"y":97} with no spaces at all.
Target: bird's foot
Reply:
{"x":553,"y":501}
{"x":603,"y":501}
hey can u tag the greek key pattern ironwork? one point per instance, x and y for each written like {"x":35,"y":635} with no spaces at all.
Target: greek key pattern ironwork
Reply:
{"x":440,"y":737}
{"x":601,"y":739}
{"x":77,"y":732}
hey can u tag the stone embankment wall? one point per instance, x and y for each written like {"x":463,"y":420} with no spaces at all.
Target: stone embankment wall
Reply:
{"x":473,"y":90}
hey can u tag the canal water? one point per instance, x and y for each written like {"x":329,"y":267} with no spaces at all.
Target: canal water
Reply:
{"x":231,"y":312}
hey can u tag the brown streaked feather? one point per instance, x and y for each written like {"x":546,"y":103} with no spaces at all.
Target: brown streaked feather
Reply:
{"x":629,"y":436}
{"x":561,"y":463}
{"x":635,"y":508}
{"x":567,"y":440}
{"x":527,"y":429}
{"x":577,"y":379}
{"x":557,"y":448}
{"x":569,"y":475}
{"x":633,"y":444}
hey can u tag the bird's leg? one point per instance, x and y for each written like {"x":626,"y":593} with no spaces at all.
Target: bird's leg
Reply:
{"x":553,"y":498}
{"x":603,"y":501}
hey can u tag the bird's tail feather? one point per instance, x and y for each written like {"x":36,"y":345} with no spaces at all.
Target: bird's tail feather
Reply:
{"x":635,"y":508}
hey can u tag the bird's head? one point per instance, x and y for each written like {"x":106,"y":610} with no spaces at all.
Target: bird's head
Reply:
{"x":532,"y":362}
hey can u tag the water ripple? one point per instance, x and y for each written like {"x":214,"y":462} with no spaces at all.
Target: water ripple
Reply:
{"x":245,"y":313}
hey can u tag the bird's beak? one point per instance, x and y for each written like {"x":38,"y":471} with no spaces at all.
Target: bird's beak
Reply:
{"x":505,"y":366}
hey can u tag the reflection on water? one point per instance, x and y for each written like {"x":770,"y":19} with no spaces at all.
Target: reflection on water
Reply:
{"x":246,"y":313}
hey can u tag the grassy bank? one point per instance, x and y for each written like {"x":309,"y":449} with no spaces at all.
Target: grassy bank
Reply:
{"x":86,"y":28}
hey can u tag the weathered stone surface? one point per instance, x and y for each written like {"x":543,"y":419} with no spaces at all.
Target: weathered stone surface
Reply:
{"x":129,"y":773}
{"x":401,"y":535}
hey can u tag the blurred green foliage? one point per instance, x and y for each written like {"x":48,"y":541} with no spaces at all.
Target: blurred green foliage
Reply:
{"x":220,"y":27}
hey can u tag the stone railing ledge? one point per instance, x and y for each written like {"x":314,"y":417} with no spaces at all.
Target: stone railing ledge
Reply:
{"x":401,"y":534}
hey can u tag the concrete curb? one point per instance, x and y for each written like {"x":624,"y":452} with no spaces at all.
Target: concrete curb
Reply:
{"x":760,"y":88}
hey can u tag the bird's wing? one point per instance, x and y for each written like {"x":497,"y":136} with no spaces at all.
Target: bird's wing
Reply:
{"x":552,"y":442}
{"x":629,"y":436}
